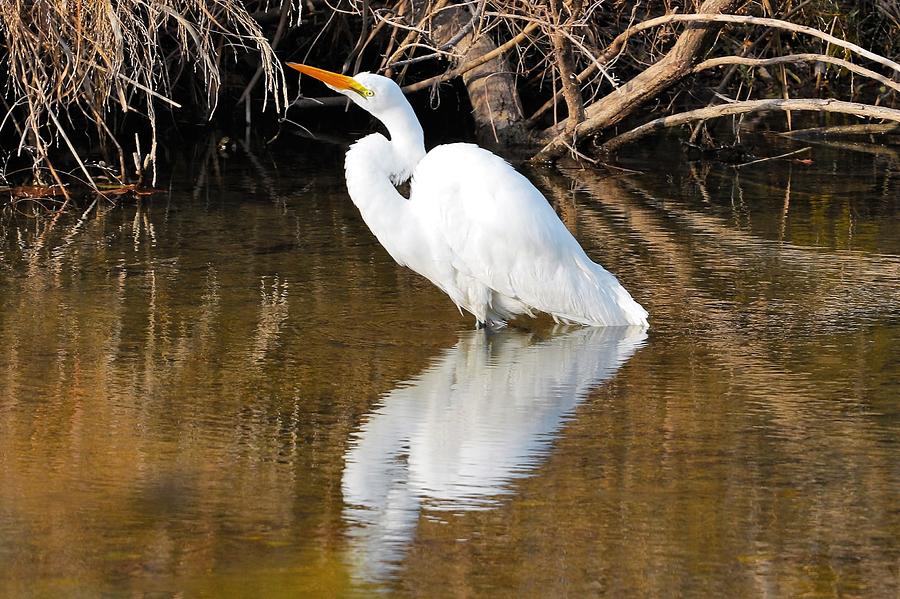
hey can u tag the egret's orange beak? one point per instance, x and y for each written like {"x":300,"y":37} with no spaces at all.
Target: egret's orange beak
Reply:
{"x":334,"y":80}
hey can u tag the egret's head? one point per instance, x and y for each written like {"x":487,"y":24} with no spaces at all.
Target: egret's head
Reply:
{"x":373,"y":93}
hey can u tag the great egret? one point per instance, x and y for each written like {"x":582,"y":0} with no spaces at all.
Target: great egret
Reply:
{"x":472,"y":225}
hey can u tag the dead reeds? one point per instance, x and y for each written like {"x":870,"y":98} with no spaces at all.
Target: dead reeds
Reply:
{"x":76,"y":69}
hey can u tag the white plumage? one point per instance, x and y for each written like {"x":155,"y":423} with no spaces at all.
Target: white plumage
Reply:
{"x":472,"y":225}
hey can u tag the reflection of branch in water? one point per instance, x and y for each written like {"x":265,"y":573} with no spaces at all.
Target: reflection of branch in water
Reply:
{"x":787,"y":205}
{"x":753,"y":343}
{"x":840,"y":284}
{"x":210,"y":159}
{"x":264,"y":177}
{"x":562,"y":196}
{"x":883,"y":150}
{"x":455,"y":436}
{"x":142,"y":226}
{"x":273,"y":312}
{"x":741,"y":207}
{"x":701,"y":181}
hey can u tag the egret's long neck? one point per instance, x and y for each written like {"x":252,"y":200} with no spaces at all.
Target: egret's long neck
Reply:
{"x":407,"y":139}
{"x":374,"y":165}
{"x":370,"y":165}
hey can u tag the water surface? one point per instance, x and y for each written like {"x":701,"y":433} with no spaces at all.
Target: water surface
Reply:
{"x":229,"y":389}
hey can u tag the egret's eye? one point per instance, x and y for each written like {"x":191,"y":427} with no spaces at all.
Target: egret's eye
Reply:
{"x":358,"y":87}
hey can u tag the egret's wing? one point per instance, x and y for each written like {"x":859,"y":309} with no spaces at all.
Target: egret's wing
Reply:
{"x":500,"y":230}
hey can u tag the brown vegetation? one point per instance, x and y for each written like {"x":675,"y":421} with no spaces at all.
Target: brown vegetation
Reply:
{"x":549,"y":74}
{"x":582,"y":69}
{"x":65,"y":64}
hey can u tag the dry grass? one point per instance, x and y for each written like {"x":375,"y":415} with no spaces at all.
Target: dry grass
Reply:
{"x":68,"y":59}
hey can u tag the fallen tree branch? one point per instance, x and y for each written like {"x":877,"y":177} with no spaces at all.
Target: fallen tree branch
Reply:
{"x":624,"y":100}
{"x":814,"y":105}
{"x":793,"y":58}
{"x":615,"y":45}
{"x":859,"y":129}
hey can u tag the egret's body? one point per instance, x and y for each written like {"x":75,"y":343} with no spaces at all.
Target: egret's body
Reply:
{"x":472,"y":225}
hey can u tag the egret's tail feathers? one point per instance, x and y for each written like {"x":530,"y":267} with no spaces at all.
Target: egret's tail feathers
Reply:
{"x":632,"y":312}
{"x":597,"y":298}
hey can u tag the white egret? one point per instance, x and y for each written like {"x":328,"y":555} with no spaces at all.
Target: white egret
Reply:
{"x":472,"y":225}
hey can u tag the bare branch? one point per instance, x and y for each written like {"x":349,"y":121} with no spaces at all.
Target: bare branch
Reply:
{"x":793,"y":58}
{"x":747,"y":106}
{"x":858,"y":129}
{"x":562,"y":51}
{"x":451,"y":43}
{"x":487,"y":57}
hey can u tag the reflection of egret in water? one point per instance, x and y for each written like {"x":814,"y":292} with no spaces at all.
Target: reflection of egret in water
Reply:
{"x":453,"y":437}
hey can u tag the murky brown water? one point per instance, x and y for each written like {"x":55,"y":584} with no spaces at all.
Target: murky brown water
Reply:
{"x":231,"y":390}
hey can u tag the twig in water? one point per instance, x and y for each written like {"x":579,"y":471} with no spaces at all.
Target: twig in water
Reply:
{"x":800,"y":151}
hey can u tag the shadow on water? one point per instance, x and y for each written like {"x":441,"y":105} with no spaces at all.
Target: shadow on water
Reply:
{"x":453,"y":437}
{"x":231,"y":388}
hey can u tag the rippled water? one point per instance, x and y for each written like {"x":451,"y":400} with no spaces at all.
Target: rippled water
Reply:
{"x":229,"y":389}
